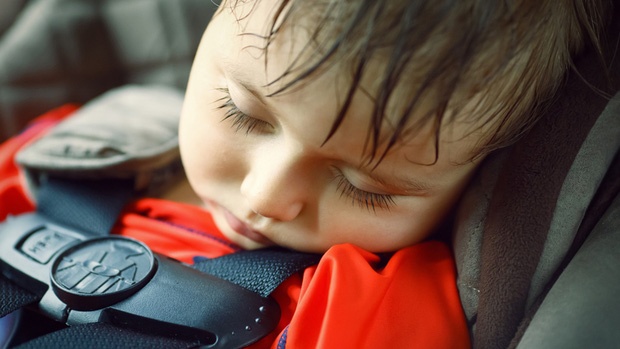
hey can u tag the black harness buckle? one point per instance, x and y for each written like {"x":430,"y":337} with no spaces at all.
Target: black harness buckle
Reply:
{"x":83,"y":278}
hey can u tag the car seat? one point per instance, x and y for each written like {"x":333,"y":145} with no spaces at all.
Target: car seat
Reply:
{"x":536,"y":236}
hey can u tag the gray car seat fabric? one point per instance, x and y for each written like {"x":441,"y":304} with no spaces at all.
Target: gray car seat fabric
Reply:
{"x":468,"y":231}
{"x":580,"y":185}
{"x":528,"y":207}
{"x":125,"y":128}
{"x":10,"y":9}
{"x":582,"y":309}
{"x":58,"y":51}
{"x":128,"y":132}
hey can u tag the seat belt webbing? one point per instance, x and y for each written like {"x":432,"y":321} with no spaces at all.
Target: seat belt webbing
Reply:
{"x":260,"y":271}
{"x":13,"y":297}
{"x":90,"y":205}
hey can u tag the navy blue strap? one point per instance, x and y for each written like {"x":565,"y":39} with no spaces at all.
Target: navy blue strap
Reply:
{"x":103,"y":336}
{"x":90,"y":205}
{"x":260,"y":271}
{"x":13,"y":297}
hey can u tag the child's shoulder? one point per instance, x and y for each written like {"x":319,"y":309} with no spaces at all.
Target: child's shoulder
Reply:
{"x":357,"y":292}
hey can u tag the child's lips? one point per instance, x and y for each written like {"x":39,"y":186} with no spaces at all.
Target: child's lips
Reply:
{"x":243,"y":229}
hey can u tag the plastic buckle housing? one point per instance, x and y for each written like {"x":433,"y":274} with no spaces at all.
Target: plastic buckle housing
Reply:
{"x":83,"y":279}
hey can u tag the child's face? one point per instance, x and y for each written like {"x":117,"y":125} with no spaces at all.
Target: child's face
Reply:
{"x":264,"y":172}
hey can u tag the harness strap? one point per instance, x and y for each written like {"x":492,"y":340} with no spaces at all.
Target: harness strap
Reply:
{"x":103,"y":336}
{"x":90,"y":205}
{"x":259,"y":271}
{"x":13,"y":297}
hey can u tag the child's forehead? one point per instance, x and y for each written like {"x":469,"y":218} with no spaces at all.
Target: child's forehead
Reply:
{"x":255,"y":19}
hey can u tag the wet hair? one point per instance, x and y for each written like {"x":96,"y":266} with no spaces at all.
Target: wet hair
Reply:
{"x":490,"y":64}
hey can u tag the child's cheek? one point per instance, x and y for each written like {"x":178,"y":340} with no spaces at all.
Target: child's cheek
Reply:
{"x":211,"y":158}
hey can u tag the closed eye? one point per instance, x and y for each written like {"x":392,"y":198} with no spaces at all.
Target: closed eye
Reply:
{"x":362,"y":198}
{"x":240,"y":120}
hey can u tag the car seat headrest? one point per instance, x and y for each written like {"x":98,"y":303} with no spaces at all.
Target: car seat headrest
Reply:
{"x":128,"y":132}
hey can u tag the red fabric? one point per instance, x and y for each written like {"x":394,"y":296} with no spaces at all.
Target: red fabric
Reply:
{"x":346,"y":301}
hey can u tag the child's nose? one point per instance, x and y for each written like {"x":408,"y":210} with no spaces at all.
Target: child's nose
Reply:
{"x":275,"y":190}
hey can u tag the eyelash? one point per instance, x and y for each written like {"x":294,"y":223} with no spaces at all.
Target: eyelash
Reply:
{"x":362,"y":198}
{"x":240,"y":120}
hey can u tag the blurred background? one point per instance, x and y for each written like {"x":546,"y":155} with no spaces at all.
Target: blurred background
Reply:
{"x":54,"y":52}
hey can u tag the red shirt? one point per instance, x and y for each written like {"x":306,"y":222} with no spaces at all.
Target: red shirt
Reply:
{"x":348,"y":300}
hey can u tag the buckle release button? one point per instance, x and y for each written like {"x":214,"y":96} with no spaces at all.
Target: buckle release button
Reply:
{"x":44,"y":243}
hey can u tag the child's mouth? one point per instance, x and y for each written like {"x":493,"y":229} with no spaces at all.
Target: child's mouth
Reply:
{"x":243,"y":229}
